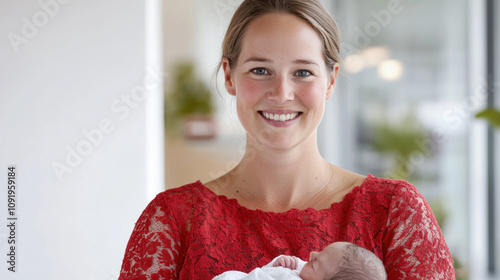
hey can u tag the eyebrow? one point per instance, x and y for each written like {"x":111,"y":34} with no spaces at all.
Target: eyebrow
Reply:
{"x":304,"y":61}
{"x":257,"y":59}
{"x":297,"y":61}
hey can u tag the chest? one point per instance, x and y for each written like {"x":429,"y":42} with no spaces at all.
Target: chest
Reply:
{"x":223,"y":239}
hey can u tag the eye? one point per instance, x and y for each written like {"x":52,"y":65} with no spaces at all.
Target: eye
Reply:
{"x":303,"y":73}
{"x":260,"y":71}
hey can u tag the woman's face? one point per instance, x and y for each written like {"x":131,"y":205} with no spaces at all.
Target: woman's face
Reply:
{"x":280,"y":81}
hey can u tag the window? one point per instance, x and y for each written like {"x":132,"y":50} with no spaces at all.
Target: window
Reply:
{"x":403,"y":106}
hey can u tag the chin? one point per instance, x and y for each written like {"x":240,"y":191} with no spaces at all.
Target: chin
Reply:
{"x":273,"y":142}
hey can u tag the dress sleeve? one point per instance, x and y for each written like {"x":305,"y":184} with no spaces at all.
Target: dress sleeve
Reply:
{"x":414,"y":245}
{"x":153,"y":249}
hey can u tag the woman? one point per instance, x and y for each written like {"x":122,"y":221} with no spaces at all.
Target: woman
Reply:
{"x":280,"y":62}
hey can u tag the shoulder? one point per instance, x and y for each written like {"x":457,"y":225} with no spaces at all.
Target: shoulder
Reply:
{"x":392,"y":186}
{"x":356,"y":186}
{"x":402,"y":194}
{"x":410,"y":221}
{"x":383,"y":189}
{"x":172,"y":208}
{"x":187,"y":192}
{"x":180,"y":199}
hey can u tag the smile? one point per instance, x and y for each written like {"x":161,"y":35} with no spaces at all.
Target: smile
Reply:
{"x":280,"y":117}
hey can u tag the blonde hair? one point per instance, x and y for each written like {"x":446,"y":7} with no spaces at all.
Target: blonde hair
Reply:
{"x":311,"y":11}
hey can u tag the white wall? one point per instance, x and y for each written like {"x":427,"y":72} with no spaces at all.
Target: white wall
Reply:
{"x":211,"y":19}
{"x":178,"y":19}
{"x":69,"y":74}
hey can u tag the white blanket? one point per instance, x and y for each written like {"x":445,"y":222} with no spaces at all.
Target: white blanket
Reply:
{"x":267,"y":272}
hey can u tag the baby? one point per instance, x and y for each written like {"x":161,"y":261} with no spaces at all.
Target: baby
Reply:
{"x":339,"y":260}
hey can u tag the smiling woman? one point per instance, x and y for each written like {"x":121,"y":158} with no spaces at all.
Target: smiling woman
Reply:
{"x":270,"y":78}
{"x":280,"y":62}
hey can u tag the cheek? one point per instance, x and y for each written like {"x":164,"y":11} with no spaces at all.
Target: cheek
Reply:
{"x":248,"y":90}
{"x":304,"y":271}
{"x":248,"y":94}
{"x":311,"y":94}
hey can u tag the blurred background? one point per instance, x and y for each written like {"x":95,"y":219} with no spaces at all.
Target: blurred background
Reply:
{"x":103,"y":104}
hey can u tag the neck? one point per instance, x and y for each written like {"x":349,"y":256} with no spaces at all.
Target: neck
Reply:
{"x":280,"y":180}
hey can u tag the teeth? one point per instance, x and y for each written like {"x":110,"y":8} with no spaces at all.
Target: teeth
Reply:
{"x":281,"y":118}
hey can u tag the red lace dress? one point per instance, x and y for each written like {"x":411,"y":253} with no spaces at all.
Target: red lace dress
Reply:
{"x":192,"y":233}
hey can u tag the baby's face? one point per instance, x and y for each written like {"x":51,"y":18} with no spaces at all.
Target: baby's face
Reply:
{"x":322,"y":265}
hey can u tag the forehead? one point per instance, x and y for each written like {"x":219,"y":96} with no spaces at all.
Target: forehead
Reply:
{"x":333,"y":250}
{"x":333,"y":253}
{"x":281,"y":36}
{"x":331,"y":256}
{"x":336,"y":248}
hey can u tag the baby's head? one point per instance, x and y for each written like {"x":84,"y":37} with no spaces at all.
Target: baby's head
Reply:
{"x":343,"y":260}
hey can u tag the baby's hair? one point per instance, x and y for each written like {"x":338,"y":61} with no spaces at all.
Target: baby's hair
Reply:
{"x":359,"y":263}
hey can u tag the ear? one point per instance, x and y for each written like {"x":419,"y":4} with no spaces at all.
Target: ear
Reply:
{"x":332,"y":80}
{"x":228,"y":77}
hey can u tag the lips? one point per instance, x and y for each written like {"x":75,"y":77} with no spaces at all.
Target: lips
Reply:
{"x":280,"y":117}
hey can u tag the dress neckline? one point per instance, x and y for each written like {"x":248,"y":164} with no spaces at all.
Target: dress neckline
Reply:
{"x":233,"y":202}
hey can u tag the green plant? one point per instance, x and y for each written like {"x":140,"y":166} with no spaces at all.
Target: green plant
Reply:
{"x":187,"y":96}
{"x":491,"y":114}
{"x":400,"y":141}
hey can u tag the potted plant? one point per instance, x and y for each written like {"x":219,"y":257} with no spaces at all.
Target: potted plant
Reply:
{"x":491,"y":114}
{"x":188,"y":104}
{"x":400,"y":141}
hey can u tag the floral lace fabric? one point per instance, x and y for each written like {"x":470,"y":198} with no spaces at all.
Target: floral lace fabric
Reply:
{"x":192,"y":233}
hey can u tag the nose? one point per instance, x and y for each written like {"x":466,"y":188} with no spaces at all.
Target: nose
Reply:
{"x":313,"y":255}
{"x":281,"y":91}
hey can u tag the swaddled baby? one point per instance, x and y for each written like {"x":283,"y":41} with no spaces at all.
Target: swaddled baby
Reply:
{"x":339,"y":260}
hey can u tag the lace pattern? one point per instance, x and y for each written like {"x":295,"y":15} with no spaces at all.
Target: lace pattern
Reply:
{"x":190,"y":232}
